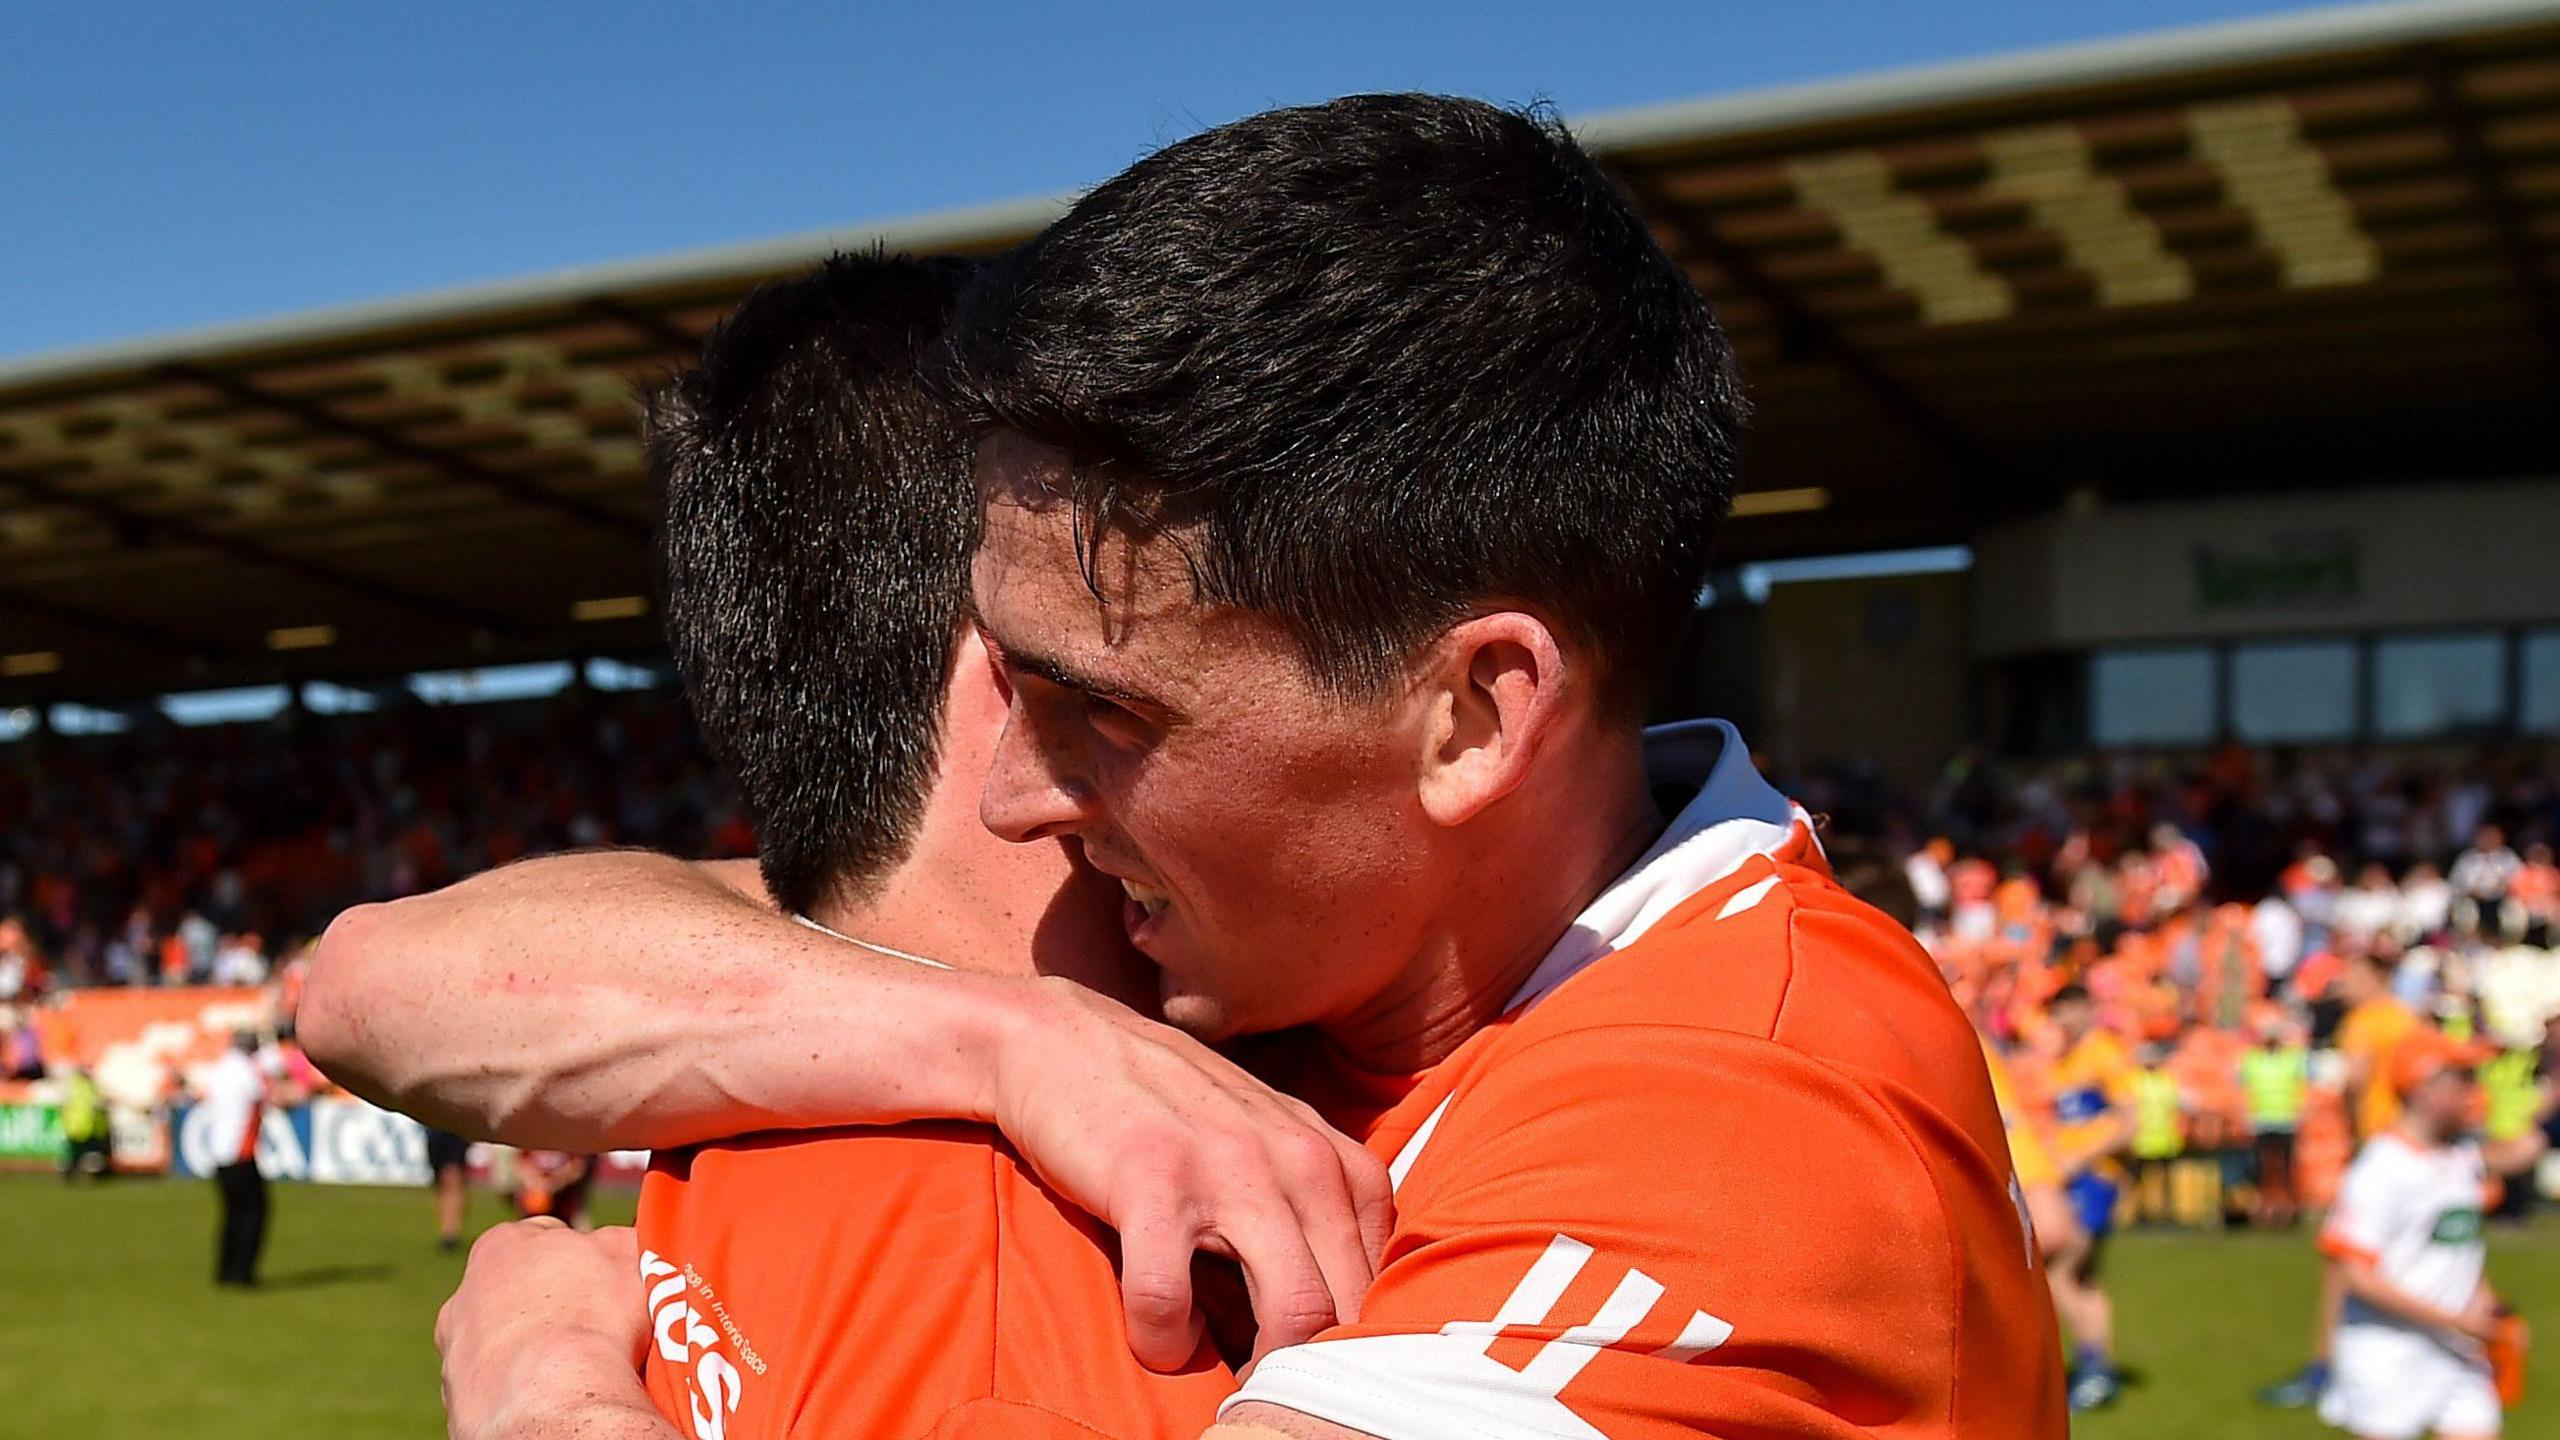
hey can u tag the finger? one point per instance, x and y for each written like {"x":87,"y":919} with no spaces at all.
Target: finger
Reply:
{"x":1319,"y":1194}
{"x":1373,"y":1196}
{"x":1291,"y":1302}
{"x":1155,"y":1286}
{"x":621,"y":1242}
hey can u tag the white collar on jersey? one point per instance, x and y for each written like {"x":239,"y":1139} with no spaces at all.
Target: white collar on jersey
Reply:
{"x":1734,"y":816}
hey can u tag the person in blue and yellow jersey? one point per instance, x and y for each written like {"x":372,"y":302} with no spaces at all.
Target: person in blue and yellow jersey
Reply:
{"x":2055,"y":1231}
{"x":2093,"y":1120}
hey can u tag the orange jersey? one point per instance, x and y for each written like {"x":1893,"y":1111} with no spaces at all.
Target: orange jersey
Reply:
{"x":1731,"y":1164}
{"x":913,"y":1283}
{"x":2368,"y":1035}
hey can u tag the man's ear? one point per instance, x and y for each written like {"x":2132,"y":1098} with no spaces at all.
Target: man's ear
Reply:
{"x":1495,"y":688}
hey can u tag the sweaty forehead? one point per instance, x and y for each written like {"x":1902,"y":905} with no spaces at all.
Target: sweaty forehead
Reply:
{"x":1031,"y":574}
{"x":1146,"y":632}
{"x":1145,"y":635}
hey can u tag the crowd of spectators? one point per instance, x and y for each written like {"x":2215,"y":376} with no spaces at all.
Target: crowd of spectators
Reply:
{"x":195,"y":856}
{"x":2213,"y":905}
{"x":2251,"y":813}
{"x":2203,"y":898}
{"x":173,"y":855}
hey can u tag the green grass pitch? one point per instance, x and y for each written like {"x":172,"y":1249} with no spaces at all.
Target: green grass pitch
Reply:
{"x":111,"y":1327}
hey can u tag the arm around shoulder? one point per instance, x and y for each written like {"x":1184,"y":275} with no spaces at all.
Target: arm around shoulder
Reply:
{"x":630,"y":1000}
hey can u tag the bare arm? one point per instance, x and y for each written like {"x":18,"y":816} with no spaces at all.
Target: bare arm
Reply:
{"x":627,"y":1000}
{"x":2516,"y":1155}
{"x":1256,"y":1420}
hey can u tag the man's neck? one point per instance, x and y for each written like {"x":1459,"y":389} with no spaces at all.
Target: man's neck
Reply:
{"x":959,"y":896}
{"x":913,"y":919}
{"x":1503,"y":909}
{"x":964,"y":898}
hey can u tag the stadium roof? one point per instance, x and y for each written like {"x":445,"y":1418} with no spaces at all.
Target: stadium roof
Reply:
{"x":2293,"y":252}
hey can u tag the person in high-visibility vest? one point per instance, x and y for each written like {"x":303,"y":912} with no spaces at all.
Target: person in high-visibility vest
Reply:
{"x":2513,"y":1092}
{"x":2276,"y":1076}
{"x":84,"y":1127}
{"x":2159,"y":1136}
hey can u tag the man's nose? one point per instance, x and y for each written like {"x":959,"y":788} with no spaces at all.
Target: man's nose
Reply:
{"x":1032,"y":791}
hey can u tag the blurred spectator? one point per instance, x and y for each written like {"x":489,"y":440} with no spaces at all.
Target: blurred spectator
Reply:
{"x":239,"y":961}
{"x":2275,"y":1074}
{"x":2426,"y":903}
{"x":553,"y":1183}
{"x":2373,"y":907}
{"x":21,"y":1045}
{"x":85,"y":1129}
{"x":2484,"y":872}
{"x":2536,"y":895}
{"x":22,"y":971}
{"x":237,"y":1090}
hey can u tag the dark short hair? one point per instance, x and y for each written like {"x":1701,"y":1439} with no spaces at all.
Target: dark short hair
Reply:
{"x":816,"y":519}
{"x":1380,"y":362}
{"x":2071,"y":994}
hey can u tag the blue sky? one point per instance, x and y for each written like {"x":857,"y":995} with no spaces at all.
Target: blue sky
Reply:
{"x":166,"y":165}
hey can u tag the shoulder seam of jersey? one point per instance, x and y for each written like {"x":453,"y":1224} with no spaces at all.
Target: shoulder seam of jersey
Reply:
{"x":1952,"y":1241}
{"x":995,"y":1278}
{"x":1787,"y":933}
{"x":1952,"y":1247}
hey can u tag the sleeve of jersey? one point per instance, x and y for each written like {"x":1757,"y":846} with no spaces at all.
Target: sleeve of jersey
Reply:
{"x":1644,"y":1231}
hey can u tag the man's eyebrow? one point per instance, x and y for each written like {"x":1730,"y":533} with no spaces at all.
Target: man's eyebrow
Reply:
{"x":1057,"y":672}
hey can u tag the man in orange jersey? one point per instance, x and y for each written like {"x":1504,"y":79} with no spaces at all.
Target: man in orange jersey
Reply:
{"x":915,"y":1280}
{"x":1328,"y":582}
{"x":2374,"y":1025}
